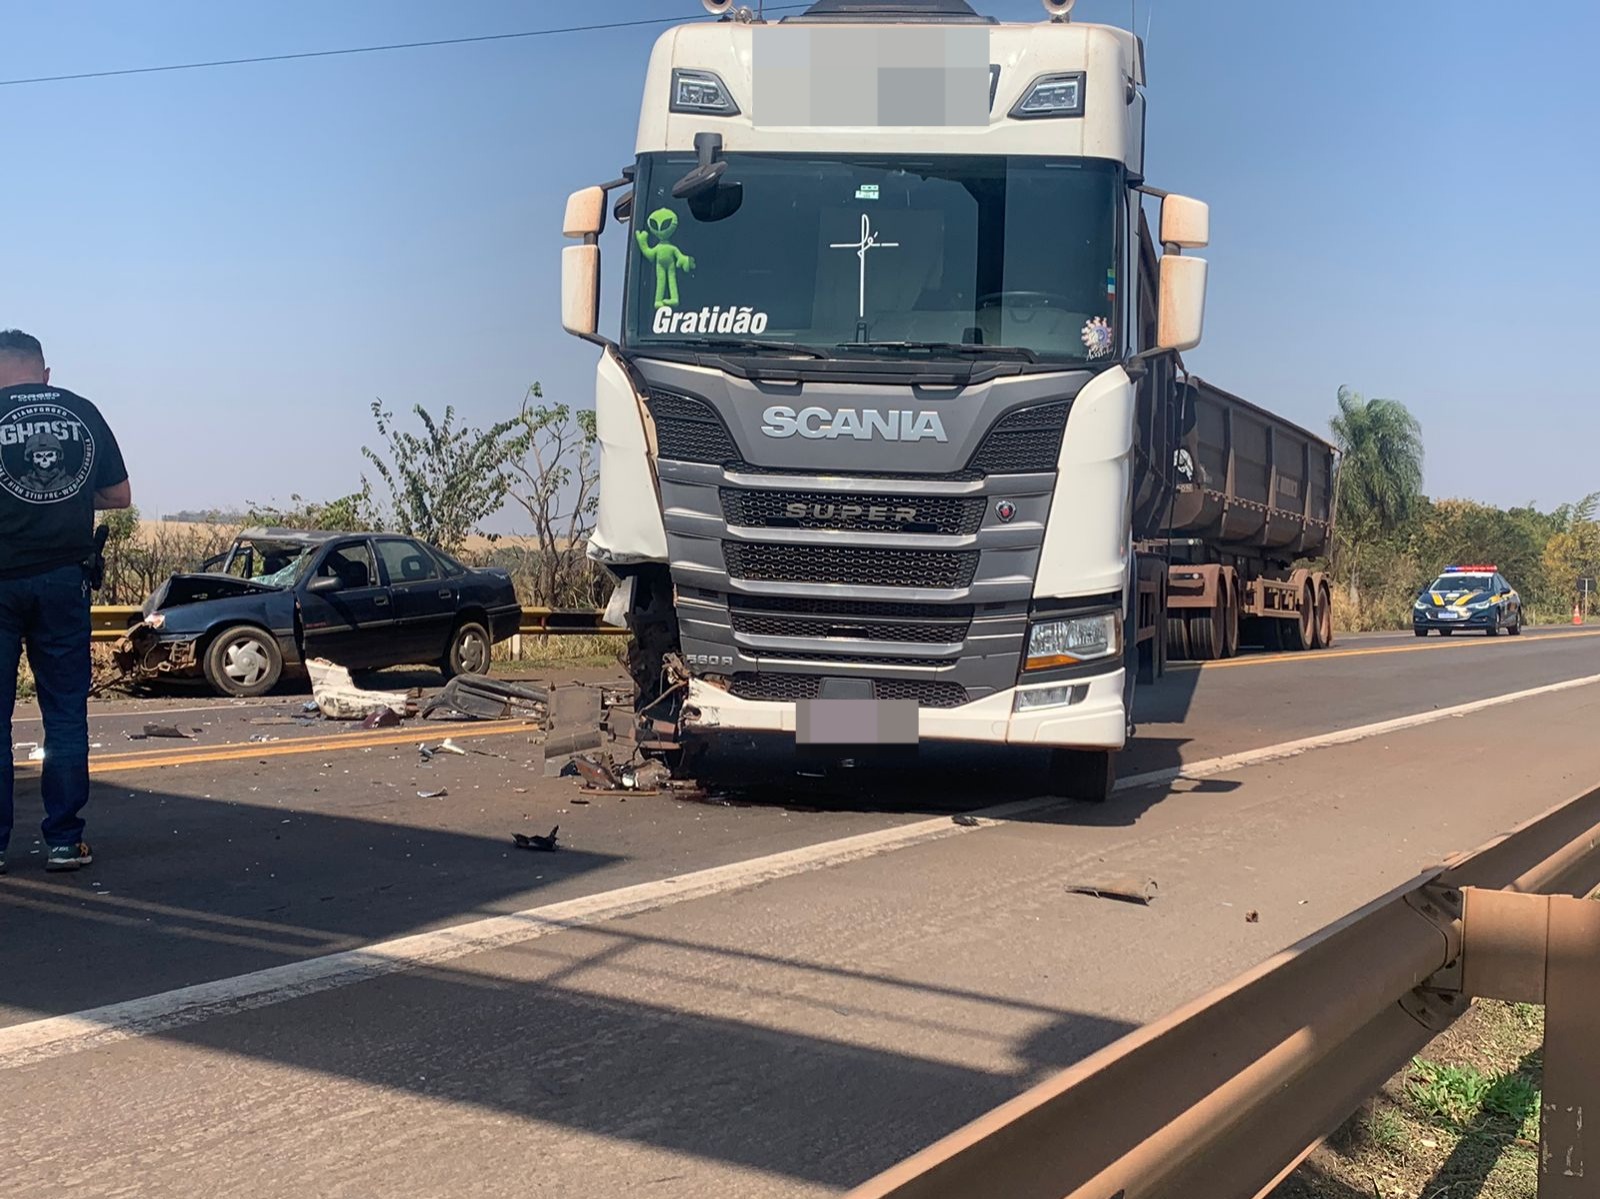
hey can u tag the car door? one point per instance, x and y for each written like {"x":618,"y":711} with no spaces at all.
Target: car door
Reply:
{"x":424,"y":600}
{"x":1511,"y":602}
{"x":346,"y":610}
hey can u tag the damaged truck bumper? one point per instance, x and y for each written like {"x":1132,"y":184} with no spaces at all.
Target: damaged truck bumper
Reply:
{"x":1087,"y":713}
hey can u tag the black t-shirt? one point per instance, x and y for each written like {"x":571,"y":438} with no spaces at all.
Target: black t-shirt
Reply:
{"x":56,"y":451}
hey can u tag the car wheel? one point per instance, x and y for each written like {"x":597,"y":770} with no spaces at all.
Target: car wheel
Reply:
{"x":1493,"y":630}
{"x":470,"y":652}
{"x":1445,"y":632}
{"x":1420,"y":632}
{"x":1516,"y":626}
{"x":244,"y":661}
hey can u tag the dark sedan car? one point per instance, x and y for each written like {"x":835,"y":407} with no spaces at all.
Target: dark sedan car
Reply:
{"x":280,"y":597}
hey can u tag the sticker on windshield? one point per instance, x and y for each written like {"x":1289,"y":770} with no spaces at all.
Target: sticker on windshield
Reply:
{"x":867,"y":243}
{"x":655,"y":243}
{"x":1097,"y":337}
{"x":717,"y":319}
{"x":867,"y":191}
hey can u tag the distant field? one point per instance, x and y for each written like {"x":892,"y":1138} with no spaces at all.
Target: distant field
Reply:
{"x":155,"y":530}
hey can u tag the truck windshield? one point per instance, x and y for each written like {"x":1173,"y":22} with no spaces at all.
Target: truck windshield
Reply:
{"x":852,"y":255}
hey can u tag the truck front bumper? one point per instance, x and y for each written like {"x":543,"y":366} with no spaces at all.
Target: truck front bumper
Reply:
{"x":1094,"y":719}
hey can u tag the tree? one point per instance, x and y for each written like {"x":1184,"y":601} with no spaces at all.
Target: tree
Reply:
{"x":1573,"y":552}
{"x":556,"y":481}
{"x":351,"y":513}
{"x":1380,"y":472}
{"x":445,"y":483}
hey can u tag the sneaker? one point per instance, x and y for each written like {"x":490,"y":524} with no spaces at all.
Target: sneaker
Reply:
{"x":68,"y":857}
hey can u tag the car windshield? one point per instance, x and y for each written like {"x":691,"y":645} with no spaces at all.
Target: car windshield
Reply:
{"x":1455,"y":583}
{"x":882,"y":256}
{"x":288,"y":574}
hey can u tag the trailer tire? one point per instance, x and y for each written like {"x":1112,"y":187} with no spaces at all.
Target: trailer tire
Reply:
{"x":1300,"y":634}
{"x":1324,"y":630}
{"x":1086,"y":775}
{"x":1205,"y":633}
{"x":1177,"y":637}
{"x":1230,"y":619}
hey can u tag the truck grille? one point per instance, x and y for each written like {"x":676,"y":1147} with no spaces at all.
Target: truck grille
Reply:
{"x":948,"y":516}
{"x":788,"y":688}
{"x":923,"y":623}
{"x":688,"y":430}
{"x":767,"y":562}
{"x":1024,"y":442}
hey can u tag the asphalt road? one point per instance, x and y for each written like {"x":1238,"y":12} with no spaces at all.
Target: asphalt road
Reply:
{"x":289,"y":975}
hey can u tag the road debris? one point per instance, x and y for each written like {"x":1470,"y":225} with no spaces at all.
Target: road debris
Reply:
{"x":966,"y":821}
{"x":338,"y":698}
{"x":1127,"y":888}
{"x":598,"y":770}
{"x":1252,"y":917}
{"x":647,"y":776}
{"x":264,"y":738}
{"x":383,"y":718}
{"x":36,"y":754}
{"x":478,"y":697}
{"x":169,"y":732}
{"x":439,"y":794}
{"x":536,"y":842}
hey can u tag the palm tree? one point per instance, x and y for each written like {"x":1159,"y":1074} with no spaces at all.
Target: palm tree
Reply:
{"x":1380,"y":471}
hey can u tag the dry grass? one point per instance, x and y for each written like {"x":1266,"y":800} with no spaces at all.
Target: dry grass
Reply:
{"x":1460,"y":1123}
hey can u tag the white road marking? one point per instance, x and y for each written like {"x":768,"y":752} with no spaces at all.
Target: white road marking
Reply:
{"x":38,"y":1040}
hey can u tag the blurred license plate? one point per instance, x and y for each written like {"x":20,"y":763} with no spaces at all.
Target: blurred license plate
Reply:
{"x":1449,"y":616}
{"x":856,"y":722}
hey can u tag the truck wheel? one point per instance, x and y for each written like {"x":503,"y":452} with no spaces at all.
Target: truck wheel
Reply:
{"x":470,"y":652}
{"x":1300,"y":634}
{"x":1324,"y":613}
{"x":1177,"y":638}
{"x":1230,"y":622}
{"x":1205,"y":634}
{"x":1086,"y":775}
{"x":244,"y":662}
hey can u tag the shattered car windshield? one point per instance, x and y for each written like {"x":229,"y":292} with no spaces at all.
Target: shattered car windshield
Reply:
{"x":849,"y":255}
{"x":287,"y":575}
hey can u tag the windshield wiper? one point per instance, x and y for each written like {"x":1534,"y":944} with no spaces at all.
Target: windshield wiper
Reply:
{"x":945,"y":347}
{"x":740,"y":343}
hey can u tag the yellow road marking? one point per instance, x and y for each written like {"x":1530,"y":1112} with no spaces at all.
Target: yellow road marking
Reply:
{"x":1327,"y":655}
{"x":256,"y":750}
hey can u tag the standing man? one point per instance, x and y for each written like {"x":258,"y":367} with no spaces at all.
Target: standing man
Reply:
{"x":58,"y":463}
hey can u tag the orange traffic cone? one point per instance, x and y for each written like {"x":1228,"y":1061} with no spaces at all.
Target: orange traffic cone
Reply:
{"x":1577,"y":613}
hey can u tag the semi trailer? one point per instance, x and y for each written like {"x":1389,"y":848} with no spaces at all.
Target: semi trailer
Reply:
{"x":896,"y":440}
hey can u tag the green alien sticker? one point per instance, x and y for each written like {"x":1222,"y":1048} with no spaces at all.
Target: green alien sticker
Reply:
{"x":661,"y":226}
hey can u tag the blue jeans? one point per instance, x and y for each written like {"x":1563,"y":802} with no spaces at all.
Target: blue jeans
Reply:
{"x":48,"y":613}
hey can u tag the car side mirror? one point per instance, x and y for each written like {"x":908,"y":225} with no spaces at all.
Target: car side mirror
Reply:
{"x":323,"y":584}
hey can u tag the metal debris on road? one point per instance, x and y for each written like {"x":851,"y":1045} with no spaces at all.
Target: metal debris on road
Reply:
{"x":536,"y":842}
{"x":598,"y":770}
{"x":966,"y":821}
{"x":647,"y":776}
{"x":1127,"y":888}
{"x":167,"y":731}
{"x":383,"y":718}
{"x":338,"y":698}
{"x":439,"y":794}
{"x":478,"y":697}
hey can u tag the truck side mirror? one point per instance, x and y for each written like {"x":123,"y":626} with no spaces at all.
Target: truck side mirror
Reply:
{"x":580,"y":265}
{"x":1185,"y":223}
{"x":1181,"y":312}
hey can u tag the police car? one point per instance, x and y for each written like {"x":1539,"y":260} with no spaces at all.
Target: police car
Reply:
{"x":1467,"y":597}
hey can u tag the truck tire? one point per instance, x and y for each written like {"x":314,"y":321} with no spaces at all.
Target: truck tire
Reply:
{"x":1205,"y":633}
{"x":1300,"y":634}
{"x":1230,"y":620}
{"x":1324,"y":613}
{"x":1086,"y":775}
{"x":243,"y":662}
{"x":1177,"y":637}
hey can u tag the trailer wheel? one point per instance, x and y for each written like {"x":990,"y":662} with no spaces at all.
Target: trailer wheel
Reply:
{"x":1230,"y":619}
{"x":1324,"y":634}
{"x":1087,"y":775}
{"x":1177,"y":638}
{"x":1301,"y":634}
{"x":1205,"y":633}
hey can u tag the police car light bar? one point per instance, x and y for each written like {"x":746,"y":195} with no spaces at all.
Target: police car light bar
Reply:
{"x":1471,"y":570}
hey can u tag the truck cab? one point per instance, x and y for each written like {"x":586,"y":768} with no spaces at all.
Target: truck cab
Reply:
{"x":893,"y":401}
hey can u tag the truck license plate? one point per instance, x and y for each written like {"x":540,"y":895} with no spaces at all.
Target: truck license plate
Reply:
{"x":856,"y":722}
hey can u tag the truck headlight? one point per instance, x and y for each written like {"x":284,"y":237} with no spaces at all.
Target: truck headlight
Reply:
{"x":1074,"y":639}
{"x":701,"y":92}
{"x":1051,"y":96}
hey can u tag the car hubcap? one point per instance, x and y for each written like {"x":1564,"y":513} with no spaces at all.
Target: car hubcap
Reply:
{"x":245,"y":662}
{"x":473,"y":654}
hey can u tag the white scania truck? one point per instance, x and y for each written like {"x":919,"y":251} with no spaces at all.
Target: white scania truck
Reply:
{"x":895,"y":442}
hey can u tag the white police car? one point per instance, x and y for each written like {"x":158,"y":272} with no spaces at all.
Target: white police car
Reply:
{"x":1467,"y":597}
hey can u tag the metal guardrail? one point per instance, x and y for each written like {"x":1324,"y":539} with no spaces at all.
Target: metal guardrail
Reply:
{"x":110,"y":622}
{"x":1224,"y":1098}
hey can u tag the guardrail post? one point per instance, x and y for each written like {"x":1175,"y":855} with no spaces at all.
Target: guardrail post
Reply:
{"x":1569,"y":1160}
{"x":1546,"y":949}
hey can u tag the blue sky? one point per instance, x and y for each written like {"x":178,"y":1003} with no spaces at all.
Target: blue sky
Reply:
{"x":234,"y":263}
